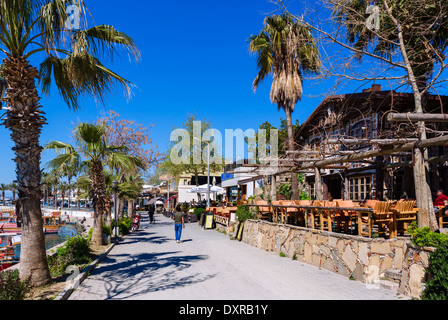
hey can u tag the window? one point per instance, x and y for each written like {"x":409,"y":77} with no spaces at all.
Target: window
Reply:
{"x":313,"y":191}
{"x":360,"y":188}
{"x":362,"y":130}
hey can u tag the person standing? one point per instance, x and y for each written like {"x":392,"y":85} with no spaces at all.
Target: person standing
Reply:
{"x":151,"y":210}
{"x":441,"y":200}
{"x":179,"y":223}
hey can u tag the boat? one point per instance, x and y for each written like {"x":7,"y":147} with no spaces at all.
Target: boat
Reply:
{"x":10,"y":226}
{"x":52,"y":224}
{"x":6,"y":214}
{"x":7,"y":257}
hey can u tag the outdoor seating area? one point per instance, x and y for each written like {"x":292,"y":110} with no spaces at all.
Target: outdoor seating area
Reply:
{"x":372,"y":218}
{"x":222,"y":214}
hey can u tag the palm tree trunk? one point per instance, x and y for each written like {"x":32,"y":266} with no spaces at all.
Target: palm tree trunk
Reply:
{"x":131,"y":208}
{"x":120,"y":207}
{"x":25,"y":122}
{"x":294,"y":181}
{"x":109,"y":214}
{"x":99,"y":201}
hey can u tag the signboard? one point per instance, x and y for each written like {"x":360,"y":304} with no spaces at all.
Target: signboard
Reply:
{"x":209,"y":221}
{"x":240,"y":231}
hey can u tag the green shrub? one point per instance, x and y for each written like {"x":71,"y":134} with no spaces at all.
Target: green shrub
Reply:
{"x":11,"y":287}
{"x":243,"y":213}
{"x":437,"y":286}
{"x":184,"y":207}
{"x":106,"y":230}
{"x":424,"y":237}
{"x":124,"y":225}
{"x":198,"y":212}
{"x":285,"y":190}
{"x":75,"y":251}
{"x":78,"y":248}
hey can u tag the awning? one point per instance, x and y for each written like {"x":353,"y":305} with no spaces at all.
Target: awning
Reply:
{"x":204,"y":189}
{"x":153,"y":200}
{"x":244,"y":181}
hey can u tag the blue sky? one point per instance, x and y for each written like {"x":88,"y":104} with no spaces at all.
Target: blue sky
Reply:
{"x":195,"y":58}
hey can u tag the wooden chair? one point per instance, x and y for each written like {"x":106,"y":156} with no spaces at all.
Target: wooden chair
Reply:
{"x":404,"y":214}
{"x":382,"y":216}
{"x":371,"y":203}
{"x":343,"y":218}
{"x":313,"y":214}
{"x":301,"y":216}
{"x":441,"y":215}
{"x":263,"y":211}
{"x":290,"y":213}
{"x":295,"y":215}
{"x":326,"y":217}
{"x":278,"y":214}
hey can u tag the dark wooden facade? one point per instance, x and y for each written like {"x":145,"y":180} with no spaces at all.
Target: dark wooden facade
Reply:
{"x":363,"y":116}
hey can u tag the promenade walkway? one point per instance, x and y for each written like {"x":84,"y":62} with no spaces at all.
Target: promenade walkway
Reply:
{"x":207,"y":265}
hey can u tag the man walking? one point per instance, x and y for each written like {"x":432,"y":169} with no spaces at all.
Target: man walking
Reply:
{"x":179,"y":223}
{"x":152,"y":209}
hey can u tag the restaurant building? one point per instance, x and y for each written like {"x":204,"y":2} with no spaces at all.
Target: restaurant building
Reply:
{"x":361,"y":118}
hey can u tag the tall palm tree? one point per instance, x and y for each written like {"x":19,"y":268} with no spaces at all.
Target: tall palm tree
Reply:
{"x":13,"y":187}
{"x":286,"y":49}
{"x":131,"y":189}
{"x":3,"y":187}
{"x":63,"y":186}
{"x":92,"y":152}
{"x":36,"y":29}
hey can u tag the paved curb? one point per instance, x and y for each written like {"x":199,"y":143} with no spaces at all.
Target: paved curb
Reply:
{"x":75,"y":283}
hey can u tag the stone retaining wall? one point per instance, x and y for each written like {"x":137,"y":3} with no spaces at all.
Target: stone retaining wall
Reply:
{"x":362,"y":259}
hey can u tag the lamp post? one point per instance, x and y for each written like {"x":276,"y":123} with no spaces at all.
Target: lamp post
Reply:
{"x":208,"y":170}
{"x":208,"y":175}
{"x":115,"y":188}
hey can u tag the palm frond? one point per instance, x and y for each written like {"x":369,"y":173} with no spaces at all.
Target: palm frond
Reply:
{"x":124,"y":162}
{"x":59,"y":147}
{"x":104,"y":41}
{"x":80,"y":74}
{"x":62,"y":160}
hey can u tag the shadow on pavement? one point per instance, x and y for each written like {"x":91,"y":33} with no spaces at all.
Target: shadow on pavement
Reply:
{"x":129,"y":276}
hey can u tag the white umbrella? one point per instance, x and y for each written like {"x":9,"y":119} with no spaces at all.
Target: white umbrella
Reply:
{"x":204,"y":189}
{"x":159,"y":202}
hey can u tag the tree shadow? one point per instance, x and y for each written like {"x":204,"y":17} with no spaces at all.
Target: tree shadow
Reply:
{"x":129,"y":276}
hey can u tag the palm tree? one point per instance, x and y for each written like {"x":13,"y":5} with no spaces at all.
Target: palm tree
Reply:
{"x":37,"y":28}
{"x":13,"y":187}
{"x":3,"y":188}
{"x":91,"y":147}
{"x":63,"y":186}
{"x":286,"y":49}
{"x":131,"y":189}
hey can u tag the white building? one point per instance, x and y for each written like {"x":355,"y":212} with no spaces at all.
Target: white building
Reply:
{"x":241,"y":183}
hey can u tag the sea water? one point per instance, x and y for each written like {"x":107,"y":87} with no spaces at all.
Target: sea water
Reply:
{"x":52,"y":240}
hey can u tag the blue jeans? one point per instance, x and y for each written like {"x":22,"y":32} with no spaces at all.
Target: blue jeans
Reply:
{"x":178,"y":231}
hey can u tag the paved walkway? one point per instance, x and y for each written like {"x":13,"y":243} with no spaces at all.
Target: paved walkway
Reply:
{"x":207,"y":265}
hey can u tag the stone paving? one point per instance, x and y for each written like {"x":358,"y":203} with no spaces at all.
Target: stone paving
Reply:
{"x":207,"y":265}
